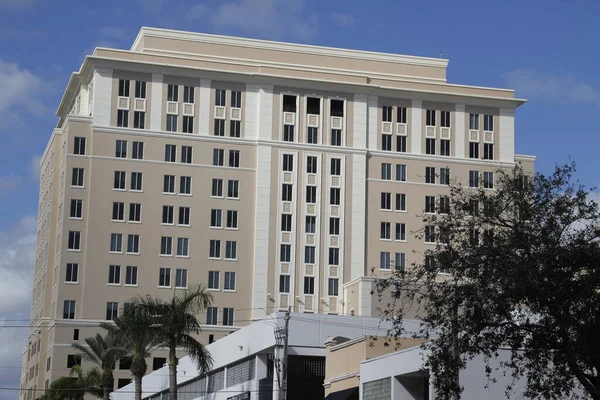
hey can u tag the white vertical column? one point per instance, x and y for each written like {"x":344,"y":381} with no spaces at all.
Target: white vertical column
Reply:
{"x":373,"y":125}
{"x":84,"y":100}
{"x":357,"y":239}
{"x":416,"y":124}
{"x":359,"y":139}
{"x":263,"y":203}
{"x":252,"y":111}
{"x":156,"y":101}
{"x":204,"y":114}
{"x":460,"y":132}
{"x":506,"y":138}
{"x":102,"y":96}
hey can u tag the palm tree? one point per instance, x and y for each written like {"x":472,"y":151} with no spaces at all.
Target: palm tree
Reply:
{"x":102,"y":351}
{"x":75,"y":387}
{"x":133,"y":331}
{"x":175,"y":322}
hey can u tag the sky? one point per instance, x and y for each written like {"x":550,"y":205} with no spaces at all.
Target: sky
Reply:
{"x":547,"y":50}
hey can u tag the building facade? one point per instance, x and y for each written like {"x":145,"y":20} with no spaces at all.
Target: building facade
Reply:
{"x":279,"y":175}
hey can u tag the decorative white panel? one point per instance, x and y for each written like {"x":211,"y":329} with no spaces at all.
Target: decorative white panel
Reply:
{"x":236,"y":113}
{"x":289,"y":118}
{"x":312,"y":120}
{"x":188,"y":109}
{"x":308,"y":302}
{"x":220,"y":112}
{"x":285,"y":237}
{"x":488,"y":137}
{"x":334,"y":241}
{"x":310,"y":239}
{"x":445,"y":133}
{"x":337,"y":122}
{"x":172,"y":107}
{"x":386,"y":128}
{"x":287,"y":177}
{"x":123,"y":103}
{"x":283,"y":301}
{"x":401,"y":129}
{"x":473,"y":136}
{"x":333,"y":304}
{"x":430,"y":132}
{"x":139,"y":105}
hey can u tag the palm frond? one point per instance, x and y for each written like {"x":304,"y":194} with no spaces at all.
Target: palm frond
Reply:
{"x":197,"y":353}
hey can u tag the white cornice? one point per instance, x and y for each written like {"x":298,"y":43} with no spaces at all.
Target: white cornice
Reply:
{"x":524,"y":157}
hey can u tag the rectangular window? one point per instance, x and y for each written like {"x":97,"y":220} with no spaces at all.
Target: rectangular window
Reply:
{"x":401,"y":172}
{"x":164,"y":277}
{"x":74,"y":240}
{"x":131,"y":275}
{"x":181,"y":278}
{"x":336,"y":166}
{"x":309,"y":285}
{"x":216,"y":218}
{"x":121,"y":149}
{"x":429,"y":146}
{"x":488,"y":180}
{"x":139,"y":120}
{"x":169,"y":184}
{"x":473,"y":179}
{"x":236,"y":99}
{"x":488,"y":151}
{"x":167,"y":215}
{"x":211,"y":315}
{"x":166,"y":246}
{"x":334,"y":256}
{"x":386,"y":201}
{"x":79,"y":145}
{"x":140,"y":89}
{"x":386,"y":113}
{"x":474,"y":121}
{"x":214,"y":249}
{"x":213,"y":280}
{"x":429,"y":174}
{"x":72,"y":273}
{"x":116,"y":242}
{"x":429,"y":234}
{"x":284,"y":283}
{"x":73,"y":360}
{"x":333,"y":286}
{"x":430,"y":204}
{"x":444,"y":176}
{"x":286,"y":253}
{"x":336,"y":137}
{"x":400,"y":202}
{"x":136,"y":181}
{"x":286,"y":192}
{"x":229,"y":283}
{"x":76,"y":210}
{"x":488,"y":123}
{"x":288,"y":133}
{"x":385,"y":233}
{"x":227,"y":316}
{"x":217,"y":188}
{"x":386,"y":142}
{"x":118,"y":213}
{"x":233,"y":189}
{"x":312,"y":136}
{"x":401,"y":115}
{"x":400,"y":261}
{"x":183,"y":247}
{"x":430,"y":117}
{"x":135,"y":212}
{"x":444,"y":205}
{"x":288,"y":162}
{"x":401,"y":144}
{"x":170,"y":153}
{"x":218,"y":157}
{"x":230,"y":250}
{"x":286,"y":222}
{"x":334,"y":226}
{"x":186,"y":154}
{"x":311,"y":165}
{"x":311,"y":194}
{"x":137,"y":150}
{"x":172,"y":93}
{"x":114,"y":274}
{"x":220,"y":97}
{"x":185,"y":185}
{"x":171,"y":123}
{"x":123,"y":118}
{"x":188,"y":94}
{"x":384,"y":260}
{"x":124,"y":87}
{"x":309,"y":254}
{"x":69,"y":309}
{"x":400,"y":231}
{"x":188,"y":124}
{"x":184,"y":216}
{"x":133,"y":244}
{"x":119,"y":182}
{"x":77,"y":177}
{"x":219,"y":127}
{"x":445,"y":147}
{"x":386,"y":171}
{"x":234,"y":158}
{"x":445,"y":119}
{"x":473,"y":149}
{"x":311,"y":222}
{"x":334,"y":196}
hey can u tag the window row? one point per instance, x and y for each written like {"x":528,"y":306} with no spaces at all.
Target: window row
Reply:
{"x":233,"y":188}
{"x":311,"y":165}
{"x":386,"y":262}
{"x":214,"y":251}
{"x":137,"y":149}
{"x":116,"y":243}
{"x":118,"y":212}
{"x":219,"y":158}
{"x":400,"y":231}
{"x":183,"y":215}
{"x":212,"y":314}
{"x":285,"y":254}
{"x":309,"y":285}
{"x":216,"y":219}
{"x":214,"y":280}
{"x":386,"y":201}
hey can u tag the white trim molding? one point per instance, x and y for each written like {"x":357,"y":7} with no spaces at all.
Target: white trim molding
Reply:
{"x":102,"y":96}
{"x":507,"y":135}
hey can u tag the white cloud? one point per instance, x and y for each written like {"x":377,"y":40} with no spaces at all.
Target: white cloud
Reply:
{"x":562,"y":88}
{"x":343,"y":19}
{"x":34,"y":167}
{"x":18,"y":89}
{"x":9,"y":184}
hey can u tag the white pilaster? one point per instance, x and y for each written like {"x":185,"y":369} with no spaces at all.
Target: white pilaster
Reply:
{"x":84,"y":100}
{"x":460,"y":133}
{"x":252,"y":111}
{"x":360,"y":121}
{"x":265,"y":113}
{"x":102,"y":95}
{"x":364,"y":292}
{"x":416,"y":124}
{"x":359,"y":179}
{"x":373,"y":131}
{"x":156,"y":101}
{"x":506,"y":138}
{"x":204,"y":114}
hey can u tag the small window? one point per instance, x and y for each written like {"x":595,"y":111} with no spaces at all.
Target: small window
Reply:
{"x":170,"y":153}
{"x":400,"y":202}
{"x":72,"y":273}
{"x":309,"y":254}
{"x":284,"y":283}
{"x":386,"y":201}
{"x":114,"y":274}
{"x":336,"y":137}
{"x":188,"y":94}
{"x":286,"y":192}
{"x":386,"y":231}
{"x":333,"y":286}
{"x":312,"y":135}
{"x":401,"y":144}
{"x":118,"y":212}
{"x":289,"y":103}
{"x":386,"y":142}
{"x":119,"y":182}
{"x":186,"y":154}
{"x":131,"y":275}
{"x":401,"y":115}
{"x":69,"y":309}
{"x":124,"y":87}
{"x":288,"y":133}
{"x":311,"y":165}
{"x":227,"y":316}
{"x":123,"y":118}
{"x":235,"y":129}
{"x":444,"y":205}
{"x":133,"y":244}
{"x":337,"y":108}
{"x":488,"y":151}
{"x":76,"y":210}
{"x":401,"y":172}
{"x":140,"y":89}
{"x":73,"y":360}
{"x":288,"y":162}
{"x":211,"y":315}
{"x":188,"y":124}
{"x":215,"y":249}
{"x":167,"y":215}
{"x":184,"y":216}
{"x":172,"y":93}
{"x":116,"y":242}
{"x":74,"y":240}
{"x":164,"y":277}
{"x":216,"y":218}
{"x":385,"y":260}
{"x":488,"y":180}
{"x":169,"y":184}
{"x":473,"y":179}
{"x":158,"y":363}
{"x":386,"y":171}
{"x":444,"y":176}
{"x":430,"y":204}
{"x":79,"y":145}
{"x":137,"y":150}
{"x":286,"y":222}
{"x":400,"y":261}
{"x":219,"y":129}
{"x":430,"y":146}
{"x":234,"y":158}
{"x":336,"y":166}
{"x":236,"y":99}
{"x":400,"y":231}
{"x":185,"y":185}
{"x":488,"y":123}
{"x":218,"y":157}
{"x":77,"y":177}
{"x":229,"y":283}
{"x":135,"y":212}
{"x":121,"y":149}
{"x":445,"y":147}
{"x":429,"y":234}
{"x":429,"y":174}
{"x":171,"y":123}
{"x":285,"y":253}
{"x":230,"y":250}
{"x":311,"y":194}
{"x":334,"y":226}
{"x":473,"y":149}
{"x":233,"y":188}
{"x":445,"y":119}
{"x":310,"y":225}
{"x":474,"y":121}
{"x":334,"y":256}
{"x":386,"y":113}
{"x":430,"y":120}
{"x":220,"y":97}
{"x":309,"y":285}
{"x":139,"y":119}
{"x":213,"y":280}
{"x":166,"y":246}
{"x":217,"y":188}
{"x":183,"y":247}
{"x":335,"y":196}
{"x":181,"y":278}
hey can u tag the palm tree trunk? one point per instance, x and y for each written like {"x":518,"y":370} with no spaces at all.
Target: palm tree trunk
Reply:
{"x":137,"y":381}
{"x":173,"y":361}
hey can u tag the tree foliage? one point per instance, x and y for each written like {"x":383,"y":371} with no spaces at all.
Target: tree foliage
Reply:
{"x":516,"y":267}
{"x":75,"y":386}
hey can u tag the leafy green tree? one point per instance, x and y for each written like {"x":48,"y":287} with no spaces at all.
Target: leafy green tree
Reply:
{"x":102,"y":351}
{"x":175,"y":324}
{"x":134,"y":331}
{"x":517,"y":267}
{"x":75,"y":386}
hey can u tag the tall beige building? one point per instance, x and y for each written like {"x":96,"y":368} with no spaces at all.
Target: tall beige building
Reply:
{"x":277,"y":174}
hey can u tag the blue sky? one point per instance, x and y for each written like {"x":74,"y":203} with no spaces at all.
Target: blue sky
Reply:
{"x":545,"y":49}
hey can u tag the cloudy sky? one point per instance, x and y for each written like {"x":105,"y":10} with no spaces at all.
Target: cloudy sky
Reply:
{"x":545,"y":49}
